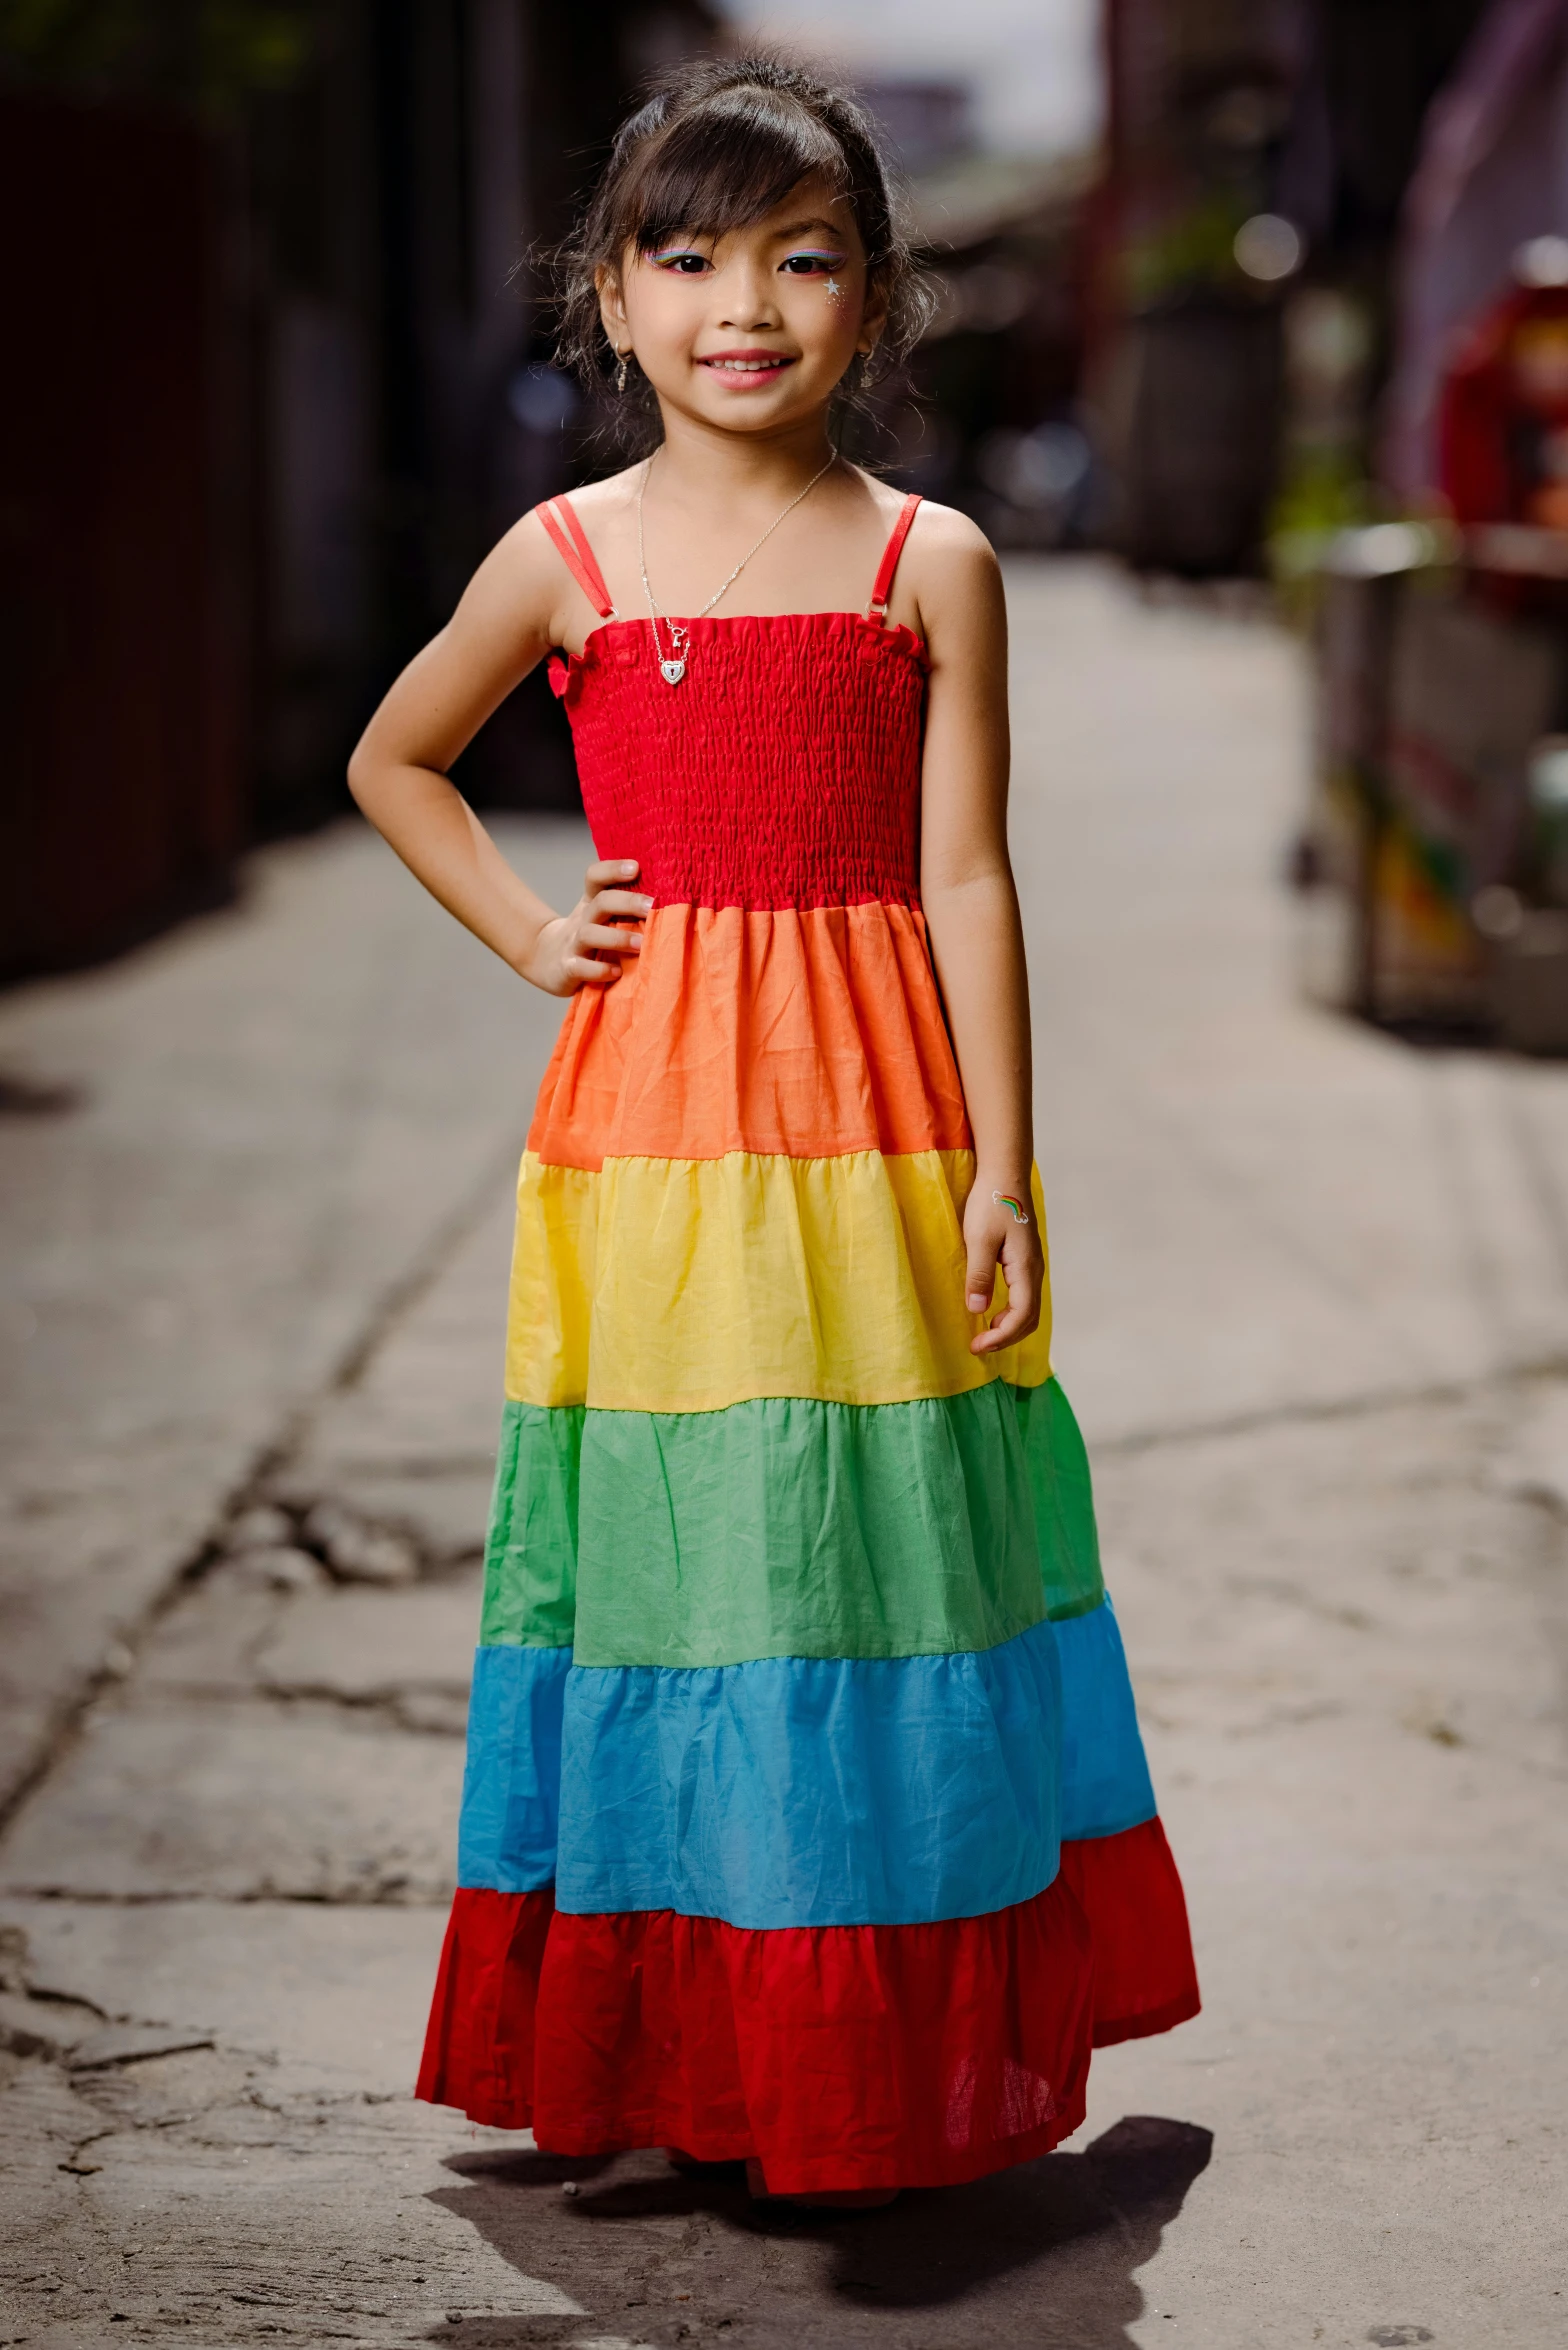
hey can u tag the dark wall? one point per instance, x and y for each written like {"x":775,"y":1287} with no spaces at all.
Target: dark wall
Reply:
{"x":262,"y":264}
{"x":1382,"y":62}
{"x":123,"y":797}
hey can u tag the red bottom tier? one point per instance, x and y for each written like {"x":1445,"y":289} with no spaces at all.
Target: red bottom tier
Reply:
{"x":841,"y":2056}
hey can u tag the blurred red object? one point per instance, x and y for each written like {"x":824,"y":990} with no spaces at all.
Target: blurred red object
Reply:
{"x":1503,"y":419}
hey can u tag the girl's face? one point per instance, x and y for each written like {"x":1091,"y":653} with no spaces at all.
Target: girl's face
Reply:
{"x":751,"y":330}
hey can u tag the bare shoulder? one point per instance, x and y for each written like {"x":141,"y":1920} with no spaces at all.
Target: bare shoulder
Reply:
{"x":952,"y":572}
{"x":516,"y":588}
{"x":594,"y":502}
{"x":524,"y":577}
{"x":945,"y":542}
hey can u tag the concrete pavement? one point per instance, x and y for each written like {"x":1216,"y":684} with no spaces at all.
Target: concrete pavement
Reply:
{"x":247,"y":1145}
{"x":1312,"y":1299}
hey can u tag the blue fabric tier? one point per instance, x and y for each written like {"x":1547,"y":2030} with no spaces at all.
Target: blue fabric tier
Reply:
{"x":1105,"y":1780}
{"x":801,"y":1791}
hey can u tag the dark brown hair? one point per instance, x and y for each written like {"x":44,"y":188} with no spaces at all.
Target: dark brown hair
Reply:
{"x":717,"y":145}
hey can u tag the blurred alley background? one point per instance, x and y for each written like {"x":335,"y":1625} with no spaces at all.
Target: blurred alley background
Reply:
{"x":1221,"y":284}
{"x":1252,"y":357}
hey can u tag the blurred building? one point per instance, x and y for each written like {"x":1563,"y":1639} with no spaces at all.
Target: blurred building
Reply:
{"x":1436,"y":847}
{"x":1259,"y":153}
{"x":280,"y":374}
{"x":994,"y":426}
{"x":986,"y":415}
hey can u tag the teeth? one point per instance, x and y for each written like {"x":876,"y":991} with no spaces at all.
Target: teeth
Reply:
{"x":746,"y":366}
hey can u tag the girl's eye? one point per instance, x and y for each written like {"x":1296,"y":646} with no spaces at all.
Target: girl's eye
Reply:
{"x":813,"y":264}
{"x":681,"y":263}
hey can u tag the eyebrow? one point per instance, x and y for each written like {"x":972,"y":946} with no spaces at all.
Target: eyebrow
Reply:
{"x":783,"y":236}
{"x":806,"y":228}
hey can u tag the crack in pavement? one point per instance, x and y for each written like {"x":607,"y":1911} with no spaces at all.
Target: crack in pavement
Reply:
{"x":270,"y":1461}
{"x":1367,"y":1404}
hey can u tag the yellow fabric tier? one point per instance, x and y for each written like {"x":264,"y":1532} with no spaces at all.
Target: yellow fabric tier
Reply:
{"x":687,"y":1285}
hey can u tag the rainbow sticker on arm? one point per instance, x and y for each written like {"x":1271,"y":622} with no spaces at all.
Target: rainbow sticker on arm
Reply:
{"x":1016,"y":1208}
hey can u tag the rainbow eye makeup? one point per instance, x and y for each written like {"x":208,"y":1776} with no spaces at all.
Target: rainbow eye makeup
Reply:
{"x":814,"y":261}
{"x":680,"y":261}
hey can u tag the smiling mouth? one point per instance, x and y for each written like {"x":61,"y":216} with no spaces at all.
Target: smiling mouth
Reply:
{"x":748,"y":364}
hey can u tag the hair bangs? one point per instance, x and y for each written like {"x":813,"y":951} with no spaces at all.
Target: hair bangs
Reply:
{"x":726,"y":168}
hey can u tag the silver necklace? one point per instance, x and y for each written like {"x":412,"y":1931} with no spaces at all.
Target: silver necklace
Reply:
{"x":672,"y":667}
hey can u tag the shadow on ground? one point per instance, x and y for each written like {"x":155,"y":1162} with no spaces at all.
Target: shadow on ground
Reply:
{"x":1046,"y":2253}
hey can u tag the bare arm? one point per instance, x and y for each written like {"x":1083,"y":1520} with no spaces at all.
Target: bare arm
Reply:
{"x":511,"y":614}
{"x":966,"y":883}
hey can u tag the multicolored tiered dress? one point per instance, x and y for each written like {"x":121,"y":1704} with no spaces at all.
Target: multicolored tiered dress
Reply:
{"x":806,"y":1816}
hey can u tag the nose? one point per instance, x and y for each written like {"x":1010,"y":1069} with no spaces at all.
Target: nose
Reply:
{"x":749,"y":302}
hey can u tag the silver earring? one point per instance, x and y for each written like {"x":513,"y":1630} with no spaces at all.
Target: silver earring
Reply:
{"x":620,"y":371}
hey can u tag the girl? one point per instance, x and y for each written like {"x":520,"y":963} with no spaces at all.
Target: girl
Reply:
{"x":806,"y":1821}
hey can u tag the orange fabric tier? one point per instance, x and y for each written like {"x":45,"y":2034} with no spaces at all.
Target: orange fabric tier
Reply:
{"x":803,"y":1035}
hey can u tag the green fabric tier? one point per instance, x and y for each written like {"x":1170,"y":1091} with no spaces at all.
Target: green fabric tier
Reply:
{"x":790,"y":1527}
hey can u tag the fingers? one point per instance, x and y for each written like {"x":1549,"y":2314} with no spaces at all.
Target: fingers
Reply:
{"x":1021,"y":1314}
{"x":980,"y":1278}
{"x":605,"y":894}
{"x":614,"y":942}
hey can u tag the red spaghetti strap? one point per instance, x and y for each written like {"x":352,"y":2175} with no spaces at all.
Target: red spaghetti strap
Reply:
{"x":559,"y":517}
{"x":590,"y":561}
{"x":877,"y":608}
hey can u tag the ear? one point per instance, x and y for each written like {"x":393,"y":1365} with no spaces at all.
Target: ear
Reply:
{"x":612,"y":306}
{"x":874,"y":316}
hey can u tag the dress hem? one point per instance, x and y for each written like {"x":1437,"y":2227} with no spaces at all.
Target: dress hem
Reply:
{"x":841,"y":2058}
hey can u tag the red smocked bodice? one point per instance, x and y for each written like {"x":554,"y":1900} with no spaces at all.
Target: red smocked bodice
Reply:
{"x":783,"y":770}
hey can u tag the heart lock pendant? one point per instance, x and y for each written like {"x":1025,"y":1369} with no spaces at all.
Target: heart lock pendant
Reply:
{"x":672,"y":671}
